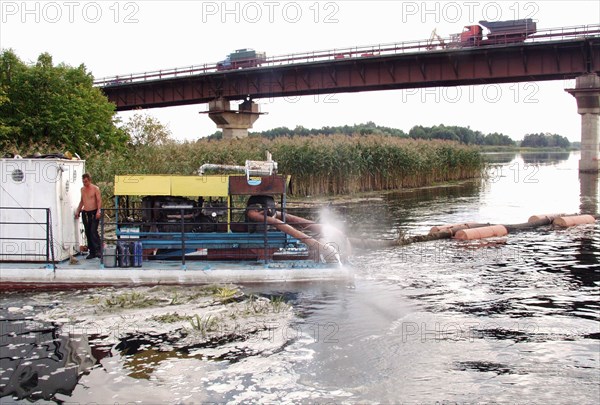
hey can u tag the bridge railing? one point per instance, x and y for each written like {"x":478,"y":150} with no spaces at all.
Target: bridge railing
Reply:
{"x":302,"y":57}
{"x":562,"y":33}
{"x":155,"y":75}
{"x":448,"y":43}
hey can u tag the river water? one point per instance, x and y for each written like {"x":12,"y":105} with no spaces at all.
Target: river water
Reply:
{"x":514,"y":320}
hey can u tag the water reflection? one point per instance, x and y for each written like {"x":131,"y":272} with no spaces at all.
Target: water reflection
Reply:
{"x":407,"y":210}
{"x":546,"y":158}
{"x":37,"y":361}
{"x":585,"y":270}
{"x":589,"y":193}
{"x":499,"y":157}
{"x":143,"y":354}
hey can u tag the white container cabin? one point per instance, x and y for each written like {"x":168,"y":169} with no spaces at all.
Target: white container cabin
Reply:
{"x":38,"y":199}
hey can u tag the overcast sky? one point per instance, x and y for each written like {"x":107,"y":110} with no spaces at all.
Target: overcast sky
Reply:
{"x":122,"y":37}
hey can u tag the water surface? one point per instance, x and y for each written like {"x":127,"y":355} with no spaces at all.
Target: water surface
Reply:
{"x":511,"y":320}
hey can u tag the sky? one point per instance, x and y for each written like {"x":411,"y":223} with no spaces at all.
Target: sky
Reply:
{"x":123,"y":37}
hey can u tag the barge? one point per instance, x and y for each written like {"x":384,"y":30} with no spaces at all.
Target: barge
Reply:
{"x":163,"y":229}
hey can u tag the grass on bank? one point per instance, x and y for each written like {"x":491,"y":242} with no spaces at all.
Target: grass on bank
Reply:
{"x":319,"y":165}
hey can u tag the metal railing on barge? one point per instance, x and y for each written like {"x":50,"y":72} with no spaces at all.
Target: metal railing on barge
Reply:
{"x":190,"y":240}
{"x":186,"y":239}
{"x":27,"y":248}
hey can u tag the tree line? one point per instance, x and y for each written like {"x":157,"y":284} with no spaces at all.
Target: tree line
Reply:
{"x":545,"y":140}
{"x":464,"y":135}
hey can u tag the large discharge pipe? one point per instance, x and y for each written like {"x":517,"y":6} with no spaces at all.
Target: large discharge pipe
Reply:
{"x":336,"y":236}
{"x":325,"y":252}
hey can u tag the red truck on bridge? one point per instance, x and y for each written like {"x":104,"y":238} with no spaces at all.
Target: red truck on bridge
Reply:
{"x":499,"y":32}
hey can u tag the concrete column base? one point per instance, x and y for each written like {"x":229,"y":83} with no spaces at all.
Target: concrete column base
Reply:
{"x":587,"y":94}
{"x":234,"y":123}
{"x":590,"y":143}
{"x":235,"y":133}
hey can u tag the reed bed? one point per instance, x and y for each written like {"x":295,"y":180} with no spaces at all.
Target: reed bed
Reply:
{"x":319,"y":165}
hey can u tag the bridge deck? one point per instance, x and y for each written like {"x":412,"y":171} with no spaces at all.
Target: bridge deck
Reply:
{"x":396,"y":48}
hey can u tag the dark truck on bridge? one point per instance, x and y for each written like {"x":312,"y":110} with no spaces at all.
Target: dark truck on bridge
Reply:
{"x":499,"y":32}
{"x":242,"y":58}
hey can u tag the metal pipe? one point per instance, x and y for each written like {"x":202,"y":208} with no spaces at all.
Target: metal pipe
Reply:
{"x":299,"y":222}
{"x":208,"y":166}
{"x":302,"y":223}
{"x":325,"y":252}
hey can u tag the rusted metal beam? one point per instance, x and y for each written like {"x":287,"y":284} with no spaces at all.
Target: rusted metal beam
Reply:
{"x":552,"y":60}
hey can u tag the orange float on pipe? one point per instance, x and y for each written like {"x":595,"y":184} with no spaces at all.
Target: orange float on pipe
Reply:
{"x":480,"y":233}
{"x":544,"y":217}
{"x":574,"y":220}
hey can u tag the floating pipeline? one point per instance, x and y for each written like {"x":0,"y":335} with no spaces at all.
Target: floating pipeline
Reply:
{"x":454,"y":227}
{"x":545,"y":217}
{"x":574,"y":220}
{"x":466,"y":231}
{"x":483,"y":232}
{"x":473,"y":231}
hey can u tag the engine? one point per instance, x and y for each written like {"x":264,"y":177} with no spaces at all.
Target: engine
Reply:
{"x":167,"y":214}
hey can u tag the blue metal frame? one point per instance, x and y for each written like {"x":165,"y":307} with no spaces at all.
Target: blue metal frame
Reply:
{"x":182,"y":243}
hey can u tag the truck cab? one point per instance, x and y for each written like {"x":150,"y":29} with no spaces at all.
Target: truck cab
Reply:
{"x":242,"y":58}
{"x":225,"y":64}
{"x":471,"y":35}
{"x":498,"y":32}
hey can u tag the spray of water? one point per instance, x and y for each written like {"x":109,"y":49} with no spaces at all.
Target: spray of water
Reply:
{"x":333,"y":235}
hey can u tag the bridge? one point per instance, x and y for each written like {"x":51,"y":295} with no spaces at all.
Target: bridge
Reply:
{"x":551,"y":54}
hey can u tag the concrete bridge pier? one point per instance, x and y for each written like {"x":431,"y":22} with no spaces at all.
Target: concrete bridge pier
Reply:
{"x":587,"y":94}
{"x":234,"y":123}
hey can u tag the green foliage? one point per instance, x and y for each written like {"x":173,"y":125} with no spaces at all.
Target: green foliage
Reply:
{"x":256,"y":305}
{"x":450,"y":133}
{"x":278,"y":304}
{"x":204,"y":324}
{"x":219,"y":135}
{"x":171,"y":318}
{"x":176,"y":300}
{"x":226,"y":294}
{"x":144,"y":129}
{"x":545,"y":140}
{"x":461,"y":134}
{"x":54,"y":105}
{"x":132,"y":300}
{"x":497,"y":139}
{"x":323,"y":164}
{"x":369,"y":128}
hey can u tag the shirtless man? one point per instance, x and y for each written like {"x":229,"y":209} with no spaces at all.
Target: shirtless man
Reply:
{"x":90,"y":205}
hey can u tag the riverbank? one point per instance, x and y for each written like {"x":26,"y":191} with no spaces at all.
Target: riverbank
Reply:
{"x":370,"y":196}
{"x":518,"y":149}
